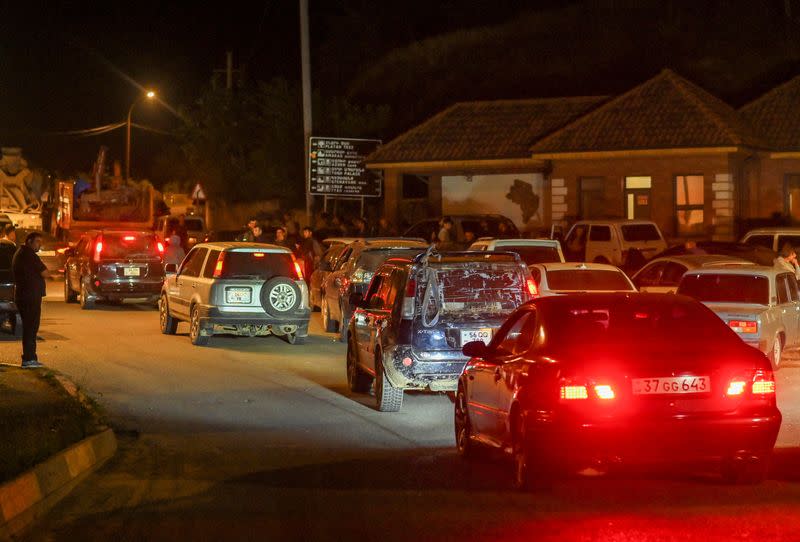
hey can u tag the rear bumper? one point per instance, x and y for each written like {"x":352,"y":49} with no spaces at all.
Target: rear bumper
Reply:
{"x":126,"y":288}
{"x":211,"y":315}
{"x":439,"y":372}
{"x":670,"y":440}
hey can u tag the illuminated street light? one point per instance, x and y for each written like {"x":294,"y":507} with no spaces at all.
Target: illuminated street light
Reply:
{"x":149,"y":95}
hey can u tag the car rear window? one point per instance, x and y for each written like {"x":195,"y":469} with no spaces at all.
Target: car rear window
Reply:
{"x":532,"y":254}
{"x":587,"y":279}
{"x":128,"y":245}
{"x":258,"y":265}
{"x":372,"y":259}
{"x":761,"y":240}
{"x":640,"y":232}
{"x":726,"y":288}
{"x":478,"y":288}
{"x":631,"y":323}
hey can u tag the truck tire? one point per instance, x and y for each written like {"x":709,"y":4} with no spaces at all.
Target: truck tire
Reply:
{"x":387,"y":397}
{"x":280,"y":296}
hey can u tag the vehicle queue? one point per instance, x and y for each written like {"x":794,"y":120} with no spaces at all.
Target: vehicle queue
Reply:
{"x":560,"y":363}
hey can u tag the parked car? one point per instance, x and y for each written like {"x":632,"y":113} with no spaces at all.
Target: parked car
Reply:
{"x":609,"y":241}
{"x":195,"y":227}
{"x":409,"y":327}
{"x":761,"y":304}
{"x":569,"y":278}
{"x":9,"y":314}
{"x":52,"y":253}
{"x":239,"y":288}
{"x":595,"y":380}
{"x":113,"y":265}
{"x":752,"y":253}
{"x":326,"y":265}
{"x":530,"y":250}
{"x":480,"y":225}
{"x":662,"y":275}
{"x":353,"y":273}
{"x":773,"y":238}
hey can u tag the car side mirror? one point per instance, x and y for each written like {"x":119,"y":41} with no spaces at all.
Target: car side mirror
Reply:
{"x":171,"y":269}
{"x":356,"y":299}
{"x":475,"y":349}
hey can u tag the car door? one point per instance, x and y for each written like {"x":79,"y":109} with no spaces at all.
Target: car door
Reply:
{"x":334,"y":281}
{"x":794,"y":295}
{"x":787,"y":306}
{"x":482,"y":376}
{"x":603,"y":246}
{"x":363,"y":320}
{"x":649,"y":278}
{"x":186,"y":281}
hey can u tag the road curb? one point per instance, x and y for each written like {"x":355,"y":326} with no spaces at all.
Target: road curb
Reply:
{"x":30,"y":495}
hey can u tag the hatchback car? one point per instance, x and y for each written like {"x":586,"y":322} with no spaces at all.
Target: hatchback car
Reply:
{"x":761,"y":304}
{"x":569,"y":278}
{"x":353,"y":272}
{"x":662,"y":275}
{"x":408,"y":330}
{"x":530,"y":250}
{"x":237,"y":288}
{"x":114,"y":265}
{"x":598,"y":380}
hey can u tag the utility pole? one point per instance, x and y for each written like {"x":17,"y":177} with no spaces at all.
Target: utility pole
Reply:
{"x":228,"y":71}
{"x":305,"y":61}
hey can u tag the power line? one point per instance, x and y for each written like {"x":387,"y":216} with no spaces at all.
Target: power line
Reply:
{"x":100,"y":130}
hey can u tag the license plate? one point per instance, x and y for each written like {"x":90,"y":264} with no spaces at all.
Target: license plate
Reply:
{"x":471,"y":335}
{"x":131,"y":271}
{"x":47,"y":253}
{"x":671,"y":385}
{"x":237,"y":295}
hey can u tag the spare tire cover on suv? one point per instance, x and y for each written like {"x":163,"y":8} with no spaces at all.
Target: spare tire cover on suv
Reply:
{"x":280,"y":296}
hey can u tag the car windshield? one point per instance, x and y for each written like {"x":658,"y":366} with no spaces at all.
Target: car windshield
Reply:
{"x":533,"y":254}
{"x":629,"y":323}
{"x":587,"y":279}
{"x":117,"y":246}
{"x":257,"y":265}
{"x":726,"y":288}
{"x":640,"y":232}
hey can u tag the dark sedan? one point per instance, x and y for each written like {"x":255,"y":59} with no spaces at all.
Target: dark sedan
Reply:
{"x":595,"y":380}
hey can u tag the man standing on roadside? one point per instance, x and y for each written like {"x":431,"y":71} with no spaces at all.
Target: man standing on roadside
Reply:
{"x":29,"y":275}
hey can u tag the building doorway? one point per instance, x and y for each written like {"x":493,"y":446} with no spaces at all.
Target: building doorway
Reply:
{"x":591,"y":197}
{"x":637,"y":197}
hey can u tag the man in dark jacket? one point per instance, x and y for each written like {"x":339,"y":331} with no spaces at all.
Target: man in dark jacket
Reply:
{"x":29,"y":275}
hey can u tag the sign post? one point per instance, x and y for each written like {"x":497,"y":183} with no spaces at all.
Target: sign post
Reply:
{"x":336,"y":168}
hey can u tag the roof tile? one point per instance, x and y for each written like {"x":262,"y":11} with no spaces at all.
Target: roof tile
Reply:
{"x":776,"y":116}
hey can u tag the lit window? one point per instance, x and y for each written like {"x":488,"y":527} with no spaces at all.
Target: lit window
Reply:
{"x":689,"y":199}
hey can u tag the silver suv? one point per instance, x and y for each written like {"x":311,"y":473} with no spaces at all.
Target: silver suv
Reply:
{"x":237,"y":288}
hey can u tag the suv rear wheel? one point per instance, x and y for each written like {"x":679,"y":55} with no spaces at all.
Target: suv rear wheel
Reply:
{"x":387,"y":397}
{"x":169,"y":325}
{"x":280,"y":296}
{"x":195,"y":329}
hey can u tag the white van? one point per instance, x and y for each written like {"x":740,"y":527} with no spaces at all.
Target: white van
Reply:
{"x":608,"y":241}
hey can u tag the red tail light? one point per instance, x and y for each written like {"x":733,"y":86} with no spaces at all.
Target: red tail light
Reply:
{"x":219,"y":266}
{"x":160,"y":247}
{"x":129,"y":238}
{"x":533,"y":289}
{"x":299,"y":270}
{"x":574,"y":392}
{"x":98,"y":249}
{"x":744,"y":326}
{"x":411,"y":288}
{"x":760,"y":384}
{"x":604,"y":391}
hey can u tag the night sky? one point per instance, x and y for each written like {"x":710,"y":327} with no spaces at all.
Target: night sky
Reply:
{"x":63,"y":63}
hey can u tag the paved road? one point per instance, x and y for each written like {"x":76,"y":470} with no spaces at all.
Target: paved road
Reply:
{"x":252,"y":438}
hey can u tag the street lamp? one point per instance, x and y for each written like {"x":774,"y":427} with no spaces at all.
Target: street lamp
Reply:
{"x":149,"y":95}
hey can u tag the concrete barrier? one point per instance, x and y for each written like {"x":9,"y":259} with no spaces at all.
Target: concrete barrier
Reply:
{"x":30,"y":495}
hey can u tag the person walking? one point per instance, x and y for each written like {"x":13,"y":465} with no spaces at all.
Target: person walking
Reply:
{"x":310,"y":252}
{"x":173,"y":252}
{"x":29,"y":274}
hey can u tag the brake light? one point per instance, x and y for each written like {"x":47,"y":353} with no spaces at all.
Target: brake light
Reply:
{"x":258,"y":254}
{"x":129,"y":238}
{"x":98,"y":250}
{"x":219,"y":266}
{"x":761,"y":383}
{"x":160,"y":247}
{"x":533,"y":289}
{"x":604,"y":391}
{"x":744,"y":326}
{"x":764,"y":383}
{"x":411,"y":288}
{"x":574,"y":392}
{"x":299,"y":270}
